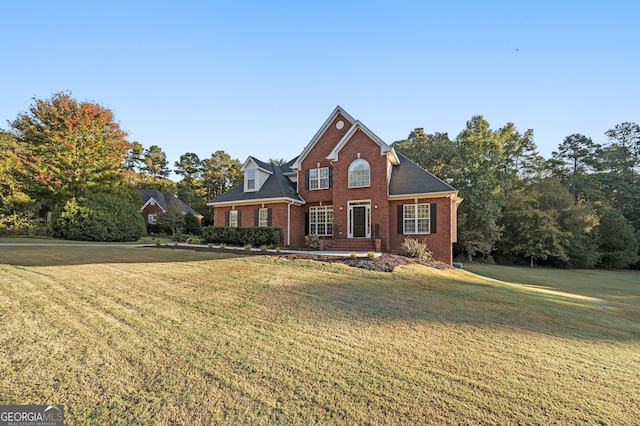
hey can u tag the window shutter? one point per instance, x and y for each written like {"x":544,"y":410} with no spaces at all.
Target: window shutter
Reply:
{"x":226,"y":217}
{"x":269,"y":217}
{"x":400,"y":219}
{"x":432,"y":217}
{"x":306,"y":224}
{"x":330,"y":176}
{"x":256,"y":217}
{"x":306,"y":180}
{"x":239,"y":213}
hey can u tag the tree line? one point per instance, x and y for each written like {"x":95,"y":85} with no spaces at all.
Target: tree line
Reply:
{"x":62,"y":149}
{"x":579,"y":208}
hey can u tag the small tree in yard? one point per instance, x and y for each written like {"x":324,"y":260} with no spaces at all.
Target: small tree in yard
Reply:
{"x":172,"y":217}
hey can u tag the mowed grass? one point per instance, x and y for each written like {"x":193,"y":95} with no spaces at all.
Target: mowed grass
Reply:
{"x":124,"y":335}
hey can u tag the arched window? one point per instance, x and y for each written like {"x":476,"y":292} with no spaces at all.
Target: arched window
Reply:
{"x":359,"y":174}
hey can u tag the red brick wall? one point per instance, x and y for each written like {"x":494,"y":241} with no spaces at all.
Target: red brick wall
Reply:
{"x":279,"y":212}
{"x":150,"y":209}
{"x":297,"y":226}
{"x":340,"y":193}
{"x":377,"y":192}
{"x":440,"y":242}
{"x":318,"y":154}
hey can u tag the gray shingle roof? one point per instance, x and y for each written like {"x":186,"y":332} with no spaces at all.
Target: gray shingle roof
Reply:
{"x":409,"y":178}
{"x":261,"y":163}
{"x":277,"y":185}
{"x":286,"y":168}
{"x":406,"y":178}
{"x":164,"y":199}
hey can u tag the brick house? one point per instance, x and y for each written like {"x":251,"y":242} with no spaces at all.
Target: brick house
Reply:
{"x":348,"y":187}
{"x":155,"y":202}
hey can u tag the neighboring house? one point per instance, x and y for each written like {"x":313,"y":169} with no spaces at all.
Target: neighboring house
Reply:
{"x":155,"y":202}
{"x":348,"y":187}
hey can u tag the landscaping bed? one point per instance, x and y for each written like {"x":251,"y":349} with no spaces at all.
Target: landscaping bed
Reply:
{"x":383,"y":263}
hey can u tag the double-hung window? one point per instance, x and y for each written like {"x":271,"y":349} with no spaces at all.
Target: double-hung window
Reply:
{"x":233,"y":218}
{"x":415,"y":219}
{"x":251,"y":179}
{"x":263,"y":217}
{"x":321,"y":220}
{"x":319,"y":178}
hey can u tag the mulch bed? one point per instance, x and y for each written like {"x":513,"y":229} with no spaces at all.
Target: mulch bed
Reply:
{"x":384,"y":263}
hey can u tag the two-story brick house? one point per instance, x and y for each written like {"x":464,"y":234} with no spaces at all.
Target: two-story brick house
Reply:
{"x":348,"y":187}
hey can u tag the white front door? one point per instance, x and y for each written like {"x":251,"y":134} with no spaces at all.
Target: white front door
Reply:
{"x":359,"y":219}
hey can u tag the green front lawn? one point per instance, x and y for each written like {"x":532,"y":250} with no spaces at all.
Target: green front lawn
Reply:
{"x":124,"y":335}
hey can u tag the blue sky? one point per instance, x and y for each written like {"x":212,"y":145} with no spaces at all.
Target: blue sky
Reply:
{"x":259,"y":78}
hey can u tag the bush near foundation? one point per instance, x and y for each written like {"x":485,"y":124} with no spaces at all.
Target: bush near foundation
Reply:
{"x":254,"y":236}
{"x":417,"y":249}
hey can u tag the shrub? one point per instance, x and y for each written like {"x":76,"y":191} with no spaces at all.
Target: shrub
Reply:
{"x":256,"y":236}
{"x":313,"y":241}
{"x":263,"y":248}
{"x":16,"y":215}
{"x":417,"y":249}
{"x":371,"y":254}
{"x":192,"y":224}
{"x":353,"y":254}
{"x":98,"y":217}
{"x":247,"y":247}
{"x":156,"y":228}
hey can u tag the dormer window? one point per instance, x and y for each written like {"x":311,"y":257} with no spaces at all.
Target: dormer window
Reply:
{"x":256,"y":173}
{"x":250,"y":176}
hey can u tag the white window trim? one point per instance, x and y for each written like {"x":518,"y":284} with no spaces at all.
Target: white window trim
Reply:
{"x":233,"y":218}
{"x":151,"y":218}
{"x":319,"y":179}
{"x":361,"y":160}
{"x":327,"y":223}
{"x":415,"y":219}
{"x":263,"y":217}
{"x":254,"y":179}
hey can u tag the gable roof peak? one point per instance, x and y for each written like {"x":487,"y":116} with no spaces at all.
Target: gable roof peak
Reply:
{"x":384,"y":147}
{"x":338,"y":110}
{"x":260,"y":164}
{"x":163,"y":200}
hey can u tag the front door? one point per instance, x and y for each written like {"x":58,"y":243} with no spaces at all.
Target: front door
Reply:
{"x":359,"y":221}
